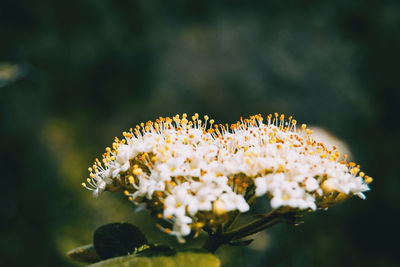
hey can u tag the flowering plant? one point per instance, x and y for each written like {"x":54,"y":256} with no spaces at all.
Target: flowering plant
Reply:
{"x":197,"y":175}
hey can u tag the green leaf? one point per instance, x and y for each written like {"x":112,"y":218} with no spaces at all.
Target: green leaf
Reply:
{"x":117,"y":239}
{"x":155,"y":250}
{"x":86,"y":254}
{"x":179,"y":259}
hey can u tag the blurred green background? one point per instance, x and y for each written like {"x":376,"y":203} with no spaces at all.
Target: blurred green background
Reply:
{"x":74,"y":74}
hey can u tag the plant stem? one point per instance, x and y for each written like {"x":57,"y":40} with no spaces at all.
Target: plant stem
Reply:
{"x":232,"y":220}
{"x":255,"y":226}
{"x":217,"y":239}
{"x":214,"y":242}
{"x":231,"y":223}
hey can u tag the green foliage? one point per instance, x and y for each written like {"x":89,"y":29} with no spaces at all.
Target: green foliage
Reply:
{"x":117,"y":239}
{"x":123,"y":244}
{"x":180,"y":259}
{"x":85,"y":254}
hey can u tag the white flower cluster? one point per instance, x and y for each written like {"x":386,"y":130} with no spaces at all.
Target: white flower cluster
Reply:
{"x":194,"y":173}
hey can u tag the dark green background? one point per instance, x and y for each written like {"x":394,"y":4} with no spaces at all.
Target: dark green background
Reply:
{"x":89,"y":69}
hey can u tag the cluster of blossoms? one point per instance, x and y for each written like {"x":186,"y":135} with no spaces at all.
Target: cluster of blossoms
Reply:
{"x":195,"y":174}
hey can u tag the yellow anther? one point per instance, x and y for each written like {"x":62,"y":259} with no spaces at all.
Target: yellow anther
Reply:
{"x":83,"y":184}
{"x":354,"y":171}
{"x":368,"y":179}
{"x":137,"y":171}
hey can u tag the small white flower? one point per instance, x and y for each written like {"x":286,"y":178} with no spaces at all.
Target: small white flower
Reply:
{"x":311,"y":184}
{"x":234,"y":201}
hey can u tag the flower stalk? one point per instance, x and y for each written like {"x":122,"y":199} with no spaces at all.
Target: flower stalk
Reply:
{"x":215,"y":240}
